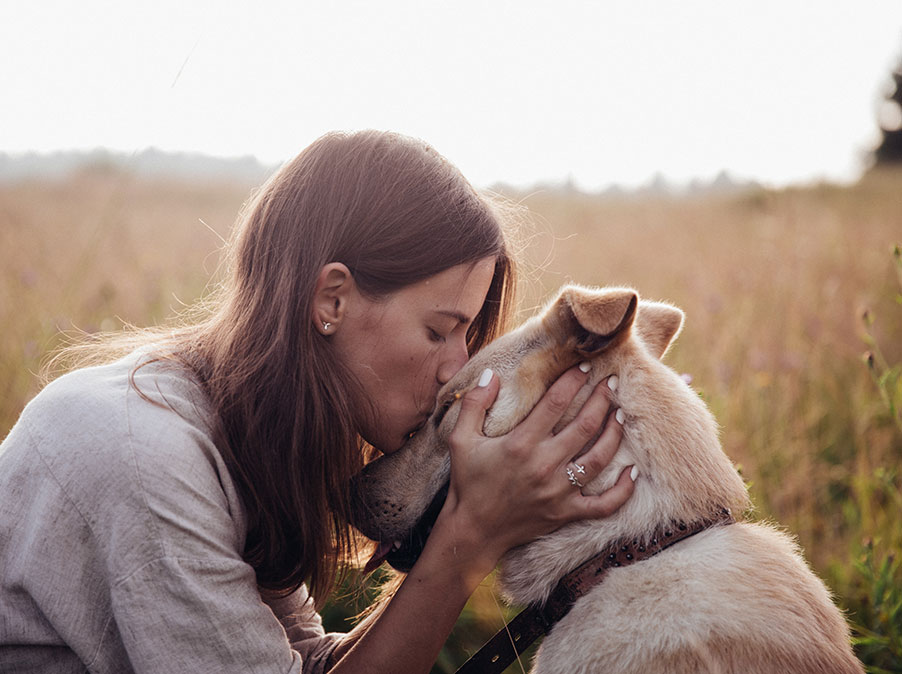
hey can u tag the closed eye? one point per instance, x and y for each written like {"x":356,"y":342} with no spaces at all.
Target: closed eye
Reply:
{"x":435,"y":336}
{"x":443,"y":410}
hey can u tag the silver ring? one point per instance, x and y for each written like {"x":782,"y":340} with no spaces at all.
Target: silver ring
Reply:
{"x":572,"y":474}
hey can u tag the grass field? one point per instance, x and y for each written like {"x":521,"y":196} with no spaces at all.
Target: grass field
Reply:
{"x":784,"y":292}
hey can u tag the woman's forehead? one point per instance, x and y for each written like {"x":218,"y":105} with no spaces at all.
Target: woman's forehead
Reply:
{"x":457,"y":292}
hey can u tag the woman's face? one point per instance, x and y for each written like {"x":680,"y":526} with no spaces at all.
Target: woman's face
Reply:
{"x":404,"y":347}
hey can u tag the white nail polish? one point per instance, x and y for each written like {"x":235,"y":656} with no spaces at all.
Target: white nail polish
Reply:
{"x":619,"y":416}
{"x":612,"y":382}
{"x":634,"y":473}
{"x":485,"y":378}
{"x":585,"y":366}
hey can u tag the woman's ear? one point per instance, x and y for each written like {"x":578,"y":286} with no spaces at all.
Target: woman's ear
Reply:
{"x":331,"y":296}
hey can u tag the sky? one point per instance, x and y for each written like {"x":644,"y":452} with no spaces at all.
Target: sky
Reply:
{"x":520,"y":92}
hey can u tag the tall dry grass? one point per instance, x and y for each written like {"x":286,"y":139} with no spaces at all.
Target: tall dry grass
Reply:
{"x":93,"y":252}
{"x":775,"y":285}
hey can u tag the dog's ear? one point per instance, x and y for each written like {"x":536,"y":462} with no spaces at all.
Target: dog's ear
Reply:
{"x":591,"y":319}
{"x":658,"y":325}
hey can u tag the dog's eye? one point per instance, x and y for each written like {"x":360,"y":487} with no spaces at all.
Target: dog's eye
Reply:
{"x":443,"y":410}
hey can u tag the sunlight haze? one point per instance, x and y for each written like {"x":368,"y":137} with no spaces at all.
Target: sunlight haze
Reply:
{"x":515,"y":92}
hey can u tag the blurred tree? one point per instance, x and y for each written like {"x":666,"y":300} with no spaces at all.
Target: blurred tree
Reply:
{"x":890,"y":120}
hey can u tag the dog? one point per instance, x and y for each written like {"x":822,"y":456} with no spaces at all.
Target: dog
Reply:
{"x":733,"y":598}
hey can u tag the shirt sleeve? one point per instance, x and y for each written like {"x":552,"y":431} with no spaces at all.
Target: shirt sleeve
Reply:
{"x":199,"y":616}
{"x":167,"y":528}
{"x":304,"y":628}
{"x":192,"y":616}
{"x":194,"y":605}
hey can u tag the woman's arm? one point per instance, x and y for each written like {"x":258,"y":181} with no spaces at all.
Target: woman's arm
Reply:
{"x":504,"y":492}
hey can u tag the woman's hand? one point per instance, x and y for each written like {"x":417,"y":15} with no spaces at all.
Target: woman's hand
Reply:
{"x":505,"y":491}
{"x":511,"y":489}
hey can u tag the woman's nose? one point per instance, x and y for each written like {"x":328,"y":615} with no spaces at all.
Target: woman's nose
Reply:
{"x":454,"y":358}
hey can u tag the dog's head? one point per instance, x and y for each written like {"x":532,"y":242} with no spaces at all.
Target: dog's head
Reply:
{"x":399,"y":495}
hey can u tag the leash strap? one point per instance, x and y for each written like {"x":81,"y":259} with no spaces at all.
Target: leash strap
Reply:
{"x":534,"y":621}
{"x":508,"y":643}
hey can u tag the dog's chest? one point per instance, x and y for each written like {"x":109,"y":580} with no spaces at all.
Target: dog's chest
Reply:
{"x":640,"y":611}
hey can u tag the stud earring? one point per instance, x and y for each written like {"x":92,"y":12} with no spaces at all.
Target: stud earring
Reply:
{"x":326,"y":325}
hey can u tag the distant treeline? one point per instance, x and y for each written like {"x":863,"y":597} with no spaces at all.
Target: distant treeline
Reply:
{"x":150,"y":162}
{"x":185,"y":166}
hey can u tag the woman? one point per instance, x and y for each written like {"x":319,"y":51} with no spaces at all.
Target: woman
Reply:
{"x":168,"y":511}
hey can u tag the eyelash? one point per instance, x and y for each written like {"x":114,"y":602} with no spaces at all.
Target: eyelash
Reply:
{"x":435,"y":337}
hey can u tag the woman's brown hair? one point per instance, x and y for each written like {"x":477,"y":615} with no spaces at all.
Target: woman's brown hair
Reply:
{"x":394,"y":212}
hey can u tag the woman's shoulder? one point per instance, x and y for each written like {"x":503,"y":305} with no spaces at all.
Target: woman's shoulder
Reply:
{"x":119,"y":422}
{"x":159,"y":376}
{"x":123,"y":396}
{"x":129,"y":446}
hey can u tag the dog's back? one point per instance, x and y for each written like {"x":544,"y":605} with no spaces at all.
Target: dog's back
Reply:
{"x":735,"y":598}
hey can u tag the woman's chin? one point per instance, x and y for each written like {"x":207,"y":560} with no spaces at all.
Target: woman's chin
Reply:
{"x":387,"y":445}
{"x":390,"y":443}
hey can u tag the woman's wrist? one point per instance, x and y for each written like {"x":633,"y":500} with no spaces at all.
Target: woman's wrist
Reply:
{"x":399,"y":637}
{"x":460,"y":545}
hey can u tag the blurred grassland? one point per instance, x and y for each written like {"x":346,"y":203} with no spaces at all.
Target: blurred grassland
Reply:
{"x":784,"y":290}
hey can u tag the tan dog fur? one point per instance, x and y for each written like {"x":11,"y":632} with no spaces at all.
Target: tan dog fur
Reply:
{"x":735,"y":598}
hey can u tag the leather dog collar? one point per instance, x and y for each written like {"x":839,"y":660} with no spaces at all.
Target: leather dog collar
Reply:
{"x":503,"y":648}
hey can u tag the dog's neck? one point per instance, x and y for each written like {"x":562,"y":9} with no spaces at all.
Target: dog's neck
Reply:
{"x":538,"y":619}
{"x":683,"y":476}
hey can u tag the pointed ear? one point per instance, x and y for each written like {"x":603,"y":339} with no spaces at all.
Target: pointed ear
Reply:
{"x":593,"y":319}
{"x":658,"y":325}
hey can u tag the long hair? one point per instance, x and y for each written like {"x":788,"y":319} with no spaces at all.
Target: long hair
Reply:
{"x":394,"y":212}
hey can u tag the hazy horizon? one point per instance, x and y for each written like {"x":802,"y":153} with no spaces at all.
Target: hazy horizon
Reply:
{"x":196,"y":166}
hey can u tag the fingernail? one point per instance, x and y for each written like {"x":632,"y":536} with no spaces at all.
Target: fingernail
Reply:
{"x":585,"y":366}
{"x":618,"y":415}
{"x":485,"y":378}
{"x":634,"y":473}
{"x":612,"y":382}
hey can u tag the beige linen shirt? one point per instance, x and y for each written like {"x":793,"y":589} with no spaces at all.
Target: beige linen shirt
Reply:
{"x":121,"y":533}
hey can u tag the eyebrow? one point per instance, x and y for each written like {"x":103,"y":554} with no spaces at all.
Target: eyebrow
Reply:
{"x":459,"y":317}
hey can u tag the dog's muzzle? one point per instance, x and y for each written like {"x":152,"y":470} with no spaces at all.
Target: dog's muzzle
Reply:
{"x":403,"y":553}
{"x":404,"y":557}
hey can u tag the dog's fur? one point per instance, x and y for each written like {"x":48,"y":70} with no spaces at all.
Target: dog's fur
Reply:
{"x":736,"y":598}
